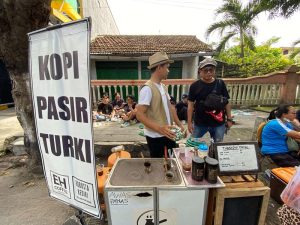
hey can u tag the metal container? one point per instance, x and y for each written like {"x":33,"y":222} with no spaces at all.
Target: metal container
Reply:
{"x":211,"y":170}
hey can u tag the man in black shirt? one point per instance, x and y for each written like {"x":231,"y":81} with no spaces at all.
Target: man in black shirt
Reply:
{"x":207,"y":119}
{"x":181,"y":107}
{"x":105,"y":107}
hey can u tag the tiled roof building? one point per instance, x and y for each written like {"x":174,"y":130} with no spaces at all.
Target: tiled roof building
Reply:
{"x":144,"y":45}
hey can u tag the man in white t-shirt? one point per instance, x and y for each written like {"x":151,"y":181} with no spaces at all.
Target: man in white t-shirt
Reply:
{"x":155,"y":110}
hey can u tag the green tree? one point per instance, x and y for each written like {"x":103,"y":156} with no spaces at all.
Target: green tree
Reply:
{"x":17,"y":18}
{"x":237,"y":21}
{"x":284,"y":8}
{"x":263,"y":60}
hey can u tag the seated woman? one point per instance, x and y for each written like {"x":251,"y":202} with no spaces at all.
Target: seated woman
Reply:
{"x":274,"y":137}
{"x":129,"y":110}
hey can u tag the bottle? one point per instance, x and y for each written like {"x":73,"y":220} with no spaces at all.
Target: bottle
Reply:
{"x":202,"y":150}
{"x":211,"y":149}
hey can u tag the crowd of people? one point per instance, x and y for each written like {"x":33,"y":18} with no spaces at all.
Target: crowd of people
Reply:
{"x":117,"y":109}
{"x":205,"y":109}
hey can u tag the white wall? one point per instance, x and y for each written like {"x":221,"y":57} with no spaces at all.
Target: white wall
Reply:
{"x":189,"y":67}
{"x":102,"y":19}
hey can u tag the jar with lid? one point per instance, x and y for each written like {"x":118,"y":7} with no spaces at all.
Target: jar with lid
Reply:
{"x":197,"y":168}
{"x":211,"y":170}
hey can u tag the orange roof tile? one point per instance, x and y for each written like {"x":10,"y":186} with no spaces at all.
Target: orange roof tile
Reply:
{"x":139,"y":45}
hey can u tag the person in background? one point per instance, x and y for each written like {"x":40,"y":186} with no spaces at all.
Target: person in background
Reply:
{"x":274,"y":137}
{"x":105,"y":108}
{"x":296,"y":121}
{"x":182,"y":107}
{"x":118,"y":102}
{"x":207,"y":119}
{"x":129,"y":109}
{"x":154,"y":109}
{"x":172,"y":100}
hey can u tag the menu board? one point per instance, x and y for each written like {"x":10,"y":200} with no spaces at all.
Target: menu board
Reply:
{"x":237,"y":157}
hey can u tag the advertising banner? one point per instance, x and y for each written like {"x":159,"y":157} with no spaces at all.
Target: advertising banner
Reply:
{"x":60,"y":82}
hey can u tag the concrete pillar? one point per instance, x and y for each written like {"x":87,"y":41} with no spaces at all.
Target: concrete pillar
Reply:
{"x":139,"y":70}
{"x":93,"y":72}
{"x":288,"y":93}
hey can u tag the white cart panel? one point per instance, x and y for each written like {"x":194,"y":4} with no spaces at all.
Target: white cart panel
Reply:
{"x":130,"y":207}
{"x":182,"y":206}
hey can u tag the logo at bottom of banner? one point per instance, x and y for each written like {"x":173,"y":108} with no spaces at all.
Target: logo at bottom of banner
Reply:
{"x":83,"y":192}
{"x":60,"y":184}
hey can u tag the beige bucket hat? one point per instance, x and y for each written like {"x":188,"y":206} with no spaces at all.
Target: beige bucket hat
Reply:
{"x":158,"y":58}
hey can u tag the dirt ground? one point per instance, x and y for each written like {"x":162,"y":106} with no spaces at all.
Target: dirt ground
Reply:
{"x":24,"y":199}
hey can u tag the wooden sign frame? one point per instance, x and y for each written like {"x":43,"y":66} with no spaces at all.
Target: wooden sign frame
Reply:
{"x":224,"y":193}
{"x":237,"y":172}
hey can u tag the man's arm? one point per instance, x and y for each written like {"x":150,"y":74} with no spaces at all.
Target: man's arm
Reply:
{"x":190,"y":116}
{"x":175,"y":117}
{"x":228,"y":115}
{"x":142,"y":117}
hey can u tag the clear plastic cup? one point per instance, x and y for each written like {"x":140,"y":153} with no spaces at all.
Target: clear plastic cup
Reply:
{"x":186,"y":163}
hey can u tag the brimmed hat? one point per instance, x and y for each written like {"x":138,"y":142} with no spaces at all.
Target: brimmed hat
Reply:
{"x":157,"y":59}
{"x":206,"y":62}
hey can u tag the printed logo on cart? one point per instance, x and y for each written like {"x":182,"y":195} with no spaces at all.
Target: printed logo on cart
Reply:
{"x":118,"y":198}
{"x":147,"y":218}
{"x":83,"y":192}
{"x":60,"y":184}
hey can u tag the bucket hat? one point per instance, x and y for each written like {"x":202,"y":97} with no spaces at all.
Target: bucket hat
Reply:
{"x":157,"y":59}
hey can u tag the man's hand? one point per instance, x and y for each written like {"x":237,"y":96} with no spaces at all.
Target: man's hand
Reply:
{"x":183,"y":131}
{"x":191,"y":127}
{"x":166,"y":131}
{"x":229,"y":124}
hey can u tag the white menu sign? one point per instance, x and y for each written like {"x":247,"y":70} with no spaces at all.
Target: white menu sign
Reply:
{"x":240,"y":157}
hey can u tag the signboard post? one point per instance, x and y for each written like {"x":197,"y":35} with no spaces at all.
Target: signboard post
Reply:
{"x":60,"y":82}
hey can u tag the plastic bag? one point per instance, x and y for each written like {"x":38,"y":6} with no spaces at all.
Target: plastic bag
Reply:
{"x":291,"y":194}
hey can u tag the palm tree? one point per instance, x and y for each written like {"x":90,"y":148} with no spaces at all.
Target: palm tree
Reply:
{"x":296,"y":51}
{"x":284,"y":8}
{"x":238,"y":20}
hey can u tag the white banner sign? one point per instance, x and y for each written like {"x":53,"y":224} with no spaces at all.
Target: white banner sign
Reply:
{"x":59,"y":66}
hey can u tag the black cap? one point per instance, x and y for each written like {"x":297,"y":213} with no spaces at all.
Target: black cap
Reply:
{"x":184,"y":96}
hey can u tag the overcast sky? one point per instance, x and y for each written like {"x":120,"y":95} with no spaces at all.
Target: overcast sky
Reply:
{"x":192,"y":17}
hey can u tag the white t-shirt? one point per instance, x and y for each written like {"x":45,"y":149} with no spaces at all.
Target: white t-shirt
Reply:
{"x":145,"y":99}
